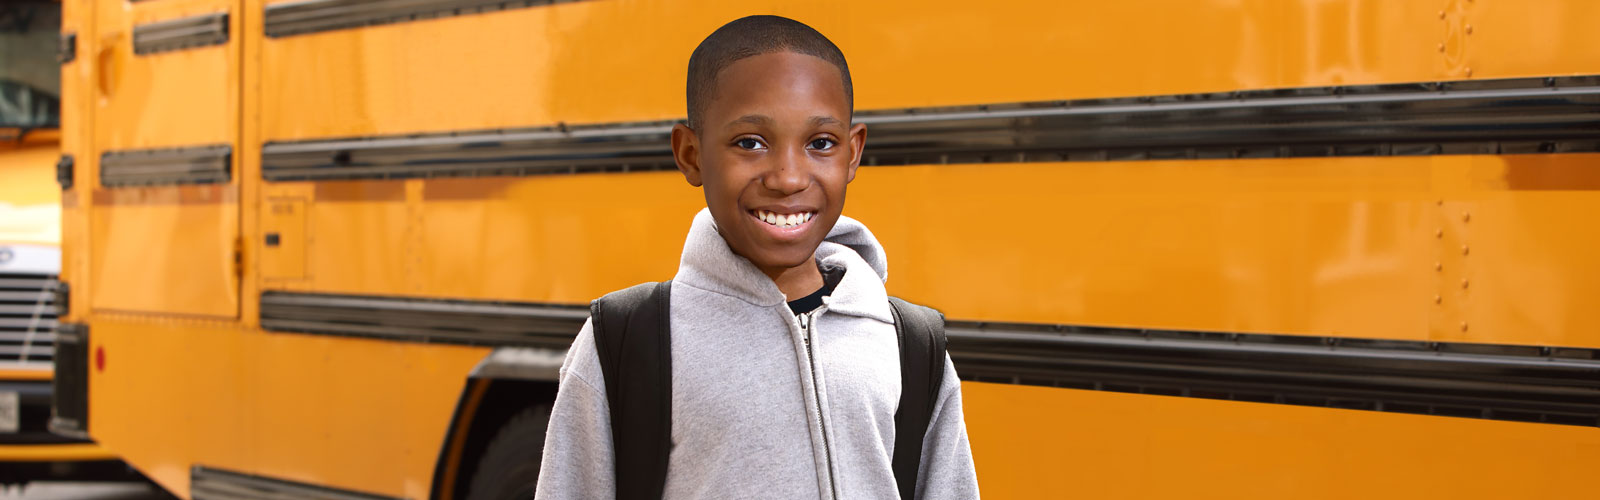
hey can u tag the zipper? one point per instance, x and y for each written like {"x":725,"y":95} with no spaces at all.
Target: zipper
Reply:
{"x":806,"y":321}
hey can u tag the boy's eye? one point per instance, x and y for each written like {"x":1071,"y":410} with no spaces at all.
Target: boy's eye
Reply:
{"x":821,"y":144}
{"x":748,"y":143}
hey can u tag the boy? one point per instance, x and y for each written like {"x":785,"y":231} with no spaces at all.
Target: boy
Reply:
{"x":784,"y":357}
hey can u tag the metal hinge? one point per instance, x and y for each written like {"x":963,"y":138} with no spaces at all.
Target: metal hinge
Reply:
{"x":67,"y":49}
{"x":64,"y":171}
{"x":238,"y":258}
{"x":63,"y":299}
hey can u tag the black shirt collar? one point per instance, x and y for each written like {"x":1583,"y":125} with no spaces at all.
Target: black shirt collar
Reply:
{"x":831,"y":276}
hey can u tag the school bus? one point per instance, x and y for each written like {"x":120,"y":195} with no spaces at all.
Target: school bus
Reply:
{"x":1251,"y":249}
{"x":30,"y":237}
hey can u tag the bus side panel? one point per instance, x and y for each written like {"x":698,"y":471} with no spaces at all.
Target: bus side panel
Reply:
{"x":349,"y":413}
{"x":1350,"y":247}
{"x":589,"y":62}
{"x":1517,"y":251}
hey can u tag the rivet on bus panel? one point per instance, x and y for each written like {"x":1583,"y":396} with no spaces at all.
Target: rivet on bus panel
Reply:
{"x":1437,"y":299}
{"x":1466,"y":217}
{"x":1469,"y":29}
{"x":1463,"y":326}
{"x":1464,"y":284}
{"x":1469,"y":71}
{"x":1438,"y":266}
{"x":1441,"y":15}
{"x":1438,"y":233}
{"x":1441,"y":48}
{"x":1464,"y":250}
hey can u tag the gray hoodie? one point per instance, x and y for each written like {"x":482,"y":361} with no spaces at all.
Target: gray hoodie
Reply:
{"x":751,"y":417}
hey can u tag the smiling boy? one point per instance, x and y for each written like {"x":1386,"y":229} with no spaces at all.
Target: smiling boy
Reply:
{"x":785,"y":361}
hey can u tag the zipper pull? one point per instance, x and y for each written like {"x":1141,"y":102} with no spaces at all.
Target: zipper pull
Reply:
{"x":805,"y":330}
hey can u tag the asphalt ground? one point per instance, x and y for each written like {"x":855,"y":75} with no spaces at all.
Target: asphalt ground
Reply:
{"x":64,"y":490}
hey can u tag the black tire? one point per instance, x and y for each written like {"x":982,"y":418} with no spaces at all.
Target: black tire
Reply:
{"x":509,"y":468}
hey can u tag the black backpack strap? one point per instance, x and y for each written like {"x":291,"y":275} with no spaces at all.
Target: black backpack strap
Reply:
{"x":922,"y":353}
{"x":633,"y":336}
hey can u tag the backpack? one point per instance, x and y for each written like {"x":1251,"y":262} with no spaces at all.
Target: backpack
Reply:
{"x":632,"y":334}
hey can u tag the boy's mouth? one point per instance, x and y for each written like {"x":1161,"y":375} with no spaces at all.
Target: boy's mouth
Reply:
{"x":783,"y":220}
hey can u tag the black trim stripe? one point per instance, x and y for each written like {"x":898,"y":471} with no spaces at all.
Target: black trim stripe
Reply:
{"x":423,"y":320}
{"x":1516,"y":116}
{"x":1489,"y":381}
{"x":520,"y":152}
{"x":192,"y":165}
{"x":1554,"y":385}
{"x":312,"y":16}
{"x":206,"y":483}
{"x":181,"y":33}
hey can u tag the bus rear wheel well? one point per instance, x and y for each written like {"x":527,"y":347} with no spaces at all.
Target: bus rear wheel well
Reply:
{"x":486,"y":405}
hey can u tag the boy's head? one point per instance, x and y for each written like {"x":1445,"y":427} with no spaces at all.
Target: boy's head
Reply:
{"x":770,"y":137}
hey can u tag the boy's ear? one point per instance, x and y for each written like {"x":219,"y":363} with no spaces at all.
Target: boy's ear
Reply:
{"x":858,"y":142}
{"x":686,"y":151}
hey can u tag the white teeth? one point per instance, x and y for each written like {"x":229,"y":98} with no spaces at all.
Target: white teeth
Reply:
{"x":783,"y":220}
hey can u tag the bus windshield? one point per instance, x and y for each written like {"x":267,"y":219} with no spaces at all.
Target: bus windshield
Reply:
{"x":30,"y":74}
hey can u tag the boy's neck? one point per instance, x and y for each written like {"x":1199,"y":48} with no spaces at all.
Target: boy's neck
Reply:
{"x":797,"y":281}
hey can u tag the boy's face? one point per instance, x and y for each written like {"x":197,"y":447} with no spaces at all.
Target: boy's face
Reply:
{"x":775,"y":145}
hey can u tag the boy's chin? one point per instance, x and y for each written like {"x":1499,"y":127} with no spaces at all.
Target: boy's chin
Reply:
{"x":776,"y":259}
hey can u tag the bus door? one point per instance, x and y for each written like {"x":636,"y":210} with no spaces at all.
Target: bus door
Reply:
{"x":164,"y":168}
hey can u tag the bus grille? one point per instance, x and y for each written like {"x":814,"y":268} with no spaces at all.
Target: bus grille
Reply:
{"x":27,"y":318}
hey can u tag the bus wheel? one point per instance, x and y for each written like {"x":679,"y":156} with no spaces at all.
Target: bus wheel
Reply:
{"x":509,"y":468}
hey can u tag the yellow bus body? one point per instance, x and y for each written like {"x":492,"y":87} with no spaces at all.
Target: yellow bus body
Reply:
{"x":169,"y":279}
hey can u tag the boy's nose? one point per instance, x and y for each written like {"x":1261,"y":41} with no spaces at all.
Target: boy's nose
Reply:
{"x":788,"y":174}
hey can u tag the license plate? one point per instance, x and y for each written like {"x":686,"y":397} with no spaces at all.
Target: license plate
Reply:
{"x":8,"y":412}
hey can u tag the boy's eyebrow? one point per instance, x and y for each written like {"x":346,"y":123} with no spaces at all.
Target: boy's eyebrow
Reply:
{"x":817,"y":121}
{"x":757,"y":120}
{"x":760,"y":120}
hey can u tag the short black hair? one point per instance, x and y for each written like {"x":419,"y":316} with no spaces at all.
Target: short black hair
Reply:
{"x":754,"y":36}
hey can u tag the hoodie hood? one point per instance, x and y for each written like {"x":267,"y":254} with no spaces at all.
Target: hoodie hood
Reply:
{"x":708,"y":263}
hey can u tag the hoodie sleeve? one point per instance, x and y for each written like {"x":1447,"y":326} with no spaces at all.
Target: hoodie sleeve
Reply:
{"x":578,"y":461}
{"x":947,"y":471}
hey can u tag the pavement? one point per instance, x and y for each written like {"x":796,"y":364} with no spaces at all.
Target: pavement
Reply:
{"x":63,"y":490}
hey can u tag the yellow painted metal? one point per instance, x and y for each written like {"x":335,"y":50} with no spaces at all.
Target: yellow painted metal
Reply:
{"x":1354,"y":247}
{"x":77,"y":119}
{"x":166,"y":99}
{"x":83,"y":452}
{"x":182,"y":240}
{"x":285,"y":259}
{"x":1036,"y":442}
{"x":1318,"y":246}
{"x":608,"y":61}
{"x":31,"y":374}
{"x":343,"y":412}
